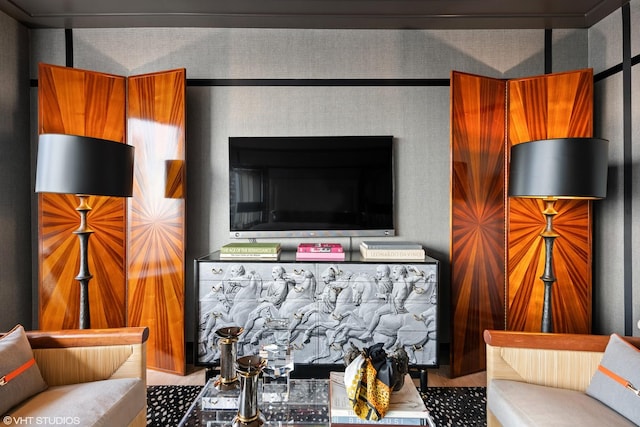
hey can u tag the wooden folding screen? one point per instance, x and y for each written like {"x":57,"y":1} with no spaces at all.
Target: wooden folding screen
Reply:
{"x":496,"y":252}
{"x":553,"y":106}
{"x":136,"y":254}
{"x":89,"y":104}
{"x":477,"y":216}
{"x":156,"y":128}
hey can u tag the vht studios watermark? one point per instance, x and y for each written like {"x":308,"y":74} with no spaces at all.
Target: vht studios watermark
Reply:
{"x":35,"y":421}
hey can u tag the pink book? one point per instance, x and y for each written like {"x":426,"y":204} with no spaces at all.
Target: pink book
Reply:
{"x":320,"y":248}
{"x":320,"y":256}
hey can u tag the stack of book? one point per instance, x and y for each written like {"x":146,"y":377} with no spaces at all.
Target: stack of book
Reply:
{"x":268,"y":251}
{"x":392,"y":250}
{"x":406,"y":407}
{"x":320,"y":252}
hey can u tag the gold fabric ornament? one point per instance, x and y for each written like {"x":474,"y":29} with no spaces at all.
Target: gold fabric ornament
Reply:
{"x":367,"y":383}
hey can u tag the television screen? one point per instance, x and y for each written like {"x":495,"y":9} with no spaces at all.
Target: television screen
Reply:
{"x":311,"y":186}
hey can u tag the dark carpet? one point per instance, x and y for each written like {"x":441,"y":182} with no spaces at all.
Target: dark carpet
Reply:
{"x":448,"y":406}
{"x":457,"y":406}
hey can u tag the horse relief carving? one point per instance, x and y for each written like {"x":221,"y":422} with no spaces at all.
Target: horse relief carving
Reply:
{"x":329,"y":308}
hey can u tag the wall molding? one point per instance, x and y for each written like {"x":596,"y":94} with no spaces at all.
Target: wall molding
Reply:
{"x":68,"y":47}
{"x":317,"y":82}
{"x":627,"y":171}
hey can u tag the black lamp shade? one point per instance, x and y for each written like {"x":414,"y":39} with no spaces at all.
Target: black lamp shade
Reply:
{"x":563,"y":168}
{"x":72,"y":164}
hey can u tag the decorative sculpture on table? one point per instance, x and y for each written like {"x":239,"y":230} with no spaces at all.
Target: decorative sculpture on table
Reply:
{"x":371,"y":376}
{"x":397,"y":362}
{"x":275,"y":348}
{"x":228,"y":339}
{"x":248,"y":369}
{"x":224,"y":394}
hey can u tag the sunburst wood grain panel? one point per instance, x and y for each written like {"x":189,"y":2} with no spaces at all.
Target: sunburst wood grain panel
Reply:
{"x":552,"y":106}
{"x":174,"y":179}
{"x":156,"y":128}
{"x":79,"y":102}
{"x":477,"y":216}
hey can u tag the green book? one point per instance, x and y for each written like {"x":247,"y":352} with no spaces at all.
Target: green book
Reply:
{"x":250,"y":248}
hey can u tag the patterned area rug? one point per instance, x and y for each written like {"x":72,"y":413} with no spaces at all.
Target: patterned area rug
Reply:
{"x":449,"y":406}
{"x":457,"y":406}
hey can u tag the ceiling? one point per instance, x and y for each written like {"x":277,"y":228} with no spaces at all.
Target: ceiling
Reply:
{"x":356,"y":14}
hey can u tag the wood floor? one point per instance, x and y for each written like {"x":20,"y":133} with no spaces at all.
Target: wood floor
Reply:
{"x":436,"y":378}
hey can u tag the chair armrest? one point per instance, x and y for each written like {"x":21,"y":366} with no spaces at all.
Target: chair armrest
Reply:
{"x":87,"y":337}
{"x":574,"y":342}
{"x":555,"y":360}
{"x":76,"y":356}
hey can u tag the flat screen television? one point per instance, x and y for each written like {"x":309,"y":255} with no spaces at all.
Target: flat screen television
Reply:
{"x":311,"y":186}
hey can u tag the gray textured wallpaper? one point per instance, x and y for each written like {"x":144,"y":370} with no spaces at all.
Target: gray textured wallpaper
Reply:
{"x":15,"y":176}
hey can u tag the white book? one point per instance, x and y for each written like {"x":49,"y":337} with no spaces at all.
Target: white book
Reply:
{"x":338,"y":421}
{"x":248,"y":255}
{"x":406,"y":403}
{"x":395,"y":254}
{"x":391,"y":244}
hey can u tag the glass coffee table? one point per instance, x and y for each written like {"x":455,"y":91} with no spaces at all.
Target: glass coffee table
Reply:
{"x":307,"y":406}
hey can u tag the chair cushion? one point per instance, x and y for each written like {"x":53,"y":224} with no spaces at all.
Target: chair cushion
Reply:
{"x":521,"y":404}
{"x":621,"y":362}
{"x":99,"y":403}
{"x":15,"y":352}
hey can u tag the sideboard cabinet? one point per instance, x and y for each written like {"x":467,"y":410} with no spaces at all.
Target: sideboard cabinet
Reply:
{"x":326,"y":306}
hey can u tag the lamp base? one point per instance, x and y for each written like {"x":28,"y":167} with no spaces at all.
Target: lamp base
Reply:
{"x":84,"y":276}
{"x":549,"y":236}
{"x":547,"y":317}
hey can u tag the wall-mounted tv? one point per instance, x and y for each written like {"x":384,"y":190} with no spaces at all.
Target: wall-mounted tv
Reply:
{"x":311,"y":186}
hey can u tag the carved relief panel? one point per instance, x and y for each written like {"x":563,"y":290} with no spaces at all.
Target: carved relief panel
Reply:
{"x":329,"y":307}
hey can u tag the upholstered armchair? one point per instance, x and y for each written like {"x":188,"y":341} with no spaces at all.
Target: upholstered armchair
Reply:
{"x":542,"y":379}
{"x":93,"y":376}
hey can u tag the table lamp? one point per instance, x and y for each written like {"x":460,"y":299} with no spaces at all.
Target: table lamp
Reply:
{"x":84,"y":166}
{"x":552,"y":169}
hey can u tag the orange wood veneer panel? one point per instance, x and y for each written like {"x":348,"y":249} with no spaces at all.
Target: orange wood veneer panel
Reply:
{"x":85,"y":103}
{"x":477,"y":216}
{"x":156,"y":128}
{"x":552,"y":106}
